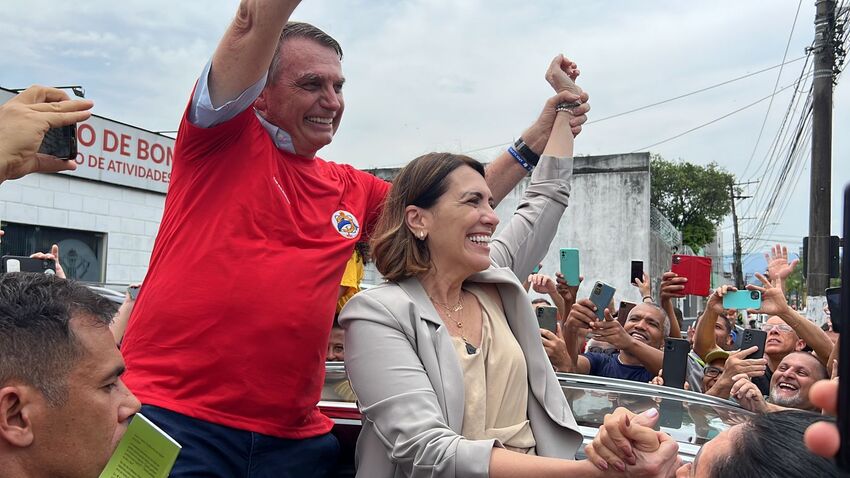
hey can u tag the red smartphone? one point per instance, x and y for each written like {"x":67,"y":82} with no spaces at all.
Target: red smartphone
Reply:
{"x":698,"y":271}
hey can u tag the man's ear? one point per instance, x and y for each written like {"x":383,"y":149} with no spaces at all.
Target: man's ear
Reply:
{"x":417,"y":219}
{"x":261,"y":104}
{"x":16,"y":408}
{"x":801,"y":344}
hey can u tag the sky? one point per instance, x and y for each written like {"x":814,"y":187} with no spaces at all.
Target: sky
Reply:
{"x":467,"y":76}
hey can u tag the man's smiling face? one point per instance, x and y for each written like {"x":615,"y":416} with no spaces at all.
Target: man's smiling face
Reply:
{"x":305,"y":99}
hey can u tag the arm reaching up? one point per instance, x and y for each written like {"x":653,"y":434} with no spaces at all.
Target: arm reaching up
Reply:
{"x":25,"y":119}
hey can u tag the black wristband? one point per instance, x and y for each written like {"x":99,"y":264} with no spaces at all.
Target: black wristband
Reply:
{"x":527,"y":154}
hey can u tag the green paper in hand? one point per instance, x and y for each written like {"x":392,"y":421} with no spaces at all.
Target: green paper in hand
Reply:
{"x":145,"y":451}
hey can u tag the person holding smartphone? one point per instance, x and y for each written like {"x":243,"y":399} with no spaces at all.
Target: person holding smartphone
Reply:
{"x":787,"y":331}
{"x":638,"y":341}
{"x":25,"y":119}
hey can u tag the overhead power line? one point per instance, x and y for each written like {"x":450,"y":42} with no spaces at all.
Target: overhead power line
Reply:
{"x":715,"y":120}
{"x":775,"y":85}
{"x":641,"y":108}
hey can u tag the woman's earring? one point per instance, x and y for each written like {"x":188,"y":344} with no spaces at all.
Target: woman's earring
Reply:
{"x":421,"y":235}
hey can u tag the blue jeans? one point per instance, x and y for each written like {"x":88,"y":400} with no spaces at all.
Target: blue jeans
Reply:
{"x":211,"y":450}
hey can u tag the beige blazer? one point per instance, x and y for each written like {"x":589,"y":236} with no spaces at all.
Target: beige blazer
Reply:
{"x":405,"y":371}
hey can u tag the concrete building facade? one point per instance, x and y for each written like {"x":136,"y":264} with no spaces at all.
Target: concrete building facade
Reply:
{"x":105,"y":215}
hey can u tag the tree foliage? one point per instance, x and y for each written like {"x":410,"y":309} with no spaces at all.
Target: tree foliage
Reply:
{"x":694,"y":198}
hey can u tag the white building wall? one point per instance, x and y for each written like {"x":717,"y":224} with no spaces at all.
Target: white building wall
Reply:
{"x":607,"y":220}
{"x":129,"y":217}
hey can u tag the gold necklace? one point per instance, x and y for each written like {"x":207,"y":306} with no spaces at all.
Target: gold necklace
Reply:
{"x":470,"y":349}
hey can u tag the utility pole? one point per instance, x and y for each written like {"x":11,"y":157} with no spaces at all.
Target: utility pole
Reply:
{"x":737,"y":266}
{"x":817,"y":261}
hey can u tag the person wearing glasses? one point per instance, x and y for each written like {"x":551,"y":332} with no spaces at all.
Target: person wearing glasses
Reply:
{"x":787,"y":331}
{"x":789,"y":385}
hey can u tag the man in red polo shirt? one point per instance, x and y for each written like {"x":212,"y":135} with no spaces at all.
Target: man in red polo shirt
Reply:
{"x":228,"y":337}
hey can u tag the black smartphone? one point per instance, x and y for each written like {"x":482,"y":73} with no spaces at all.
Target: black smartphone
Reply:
{"x":833,"y":301}
{"x":843,"y":420}
{"x":27,"y":264}
{"x":675,"y":362}
{"x":133,"y":291}
{"x":547,"y":318}
{"x":60,"y":142}
{"x":755,"y":337}
{"x":637,"y":271}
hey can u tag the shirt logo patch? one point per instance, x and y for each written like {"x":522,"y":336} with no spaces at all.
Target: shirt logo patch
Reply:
{"x":345,"y":224}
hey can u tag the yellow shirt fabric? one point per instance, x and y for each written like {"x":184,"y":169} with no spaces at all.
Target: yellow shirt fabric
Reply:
{"x":351,"y":279}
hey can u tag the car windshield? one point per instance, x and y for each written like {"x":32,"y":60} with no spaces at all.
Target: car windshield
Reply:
{"x":686,"y":416}
{"x":690,"y":418}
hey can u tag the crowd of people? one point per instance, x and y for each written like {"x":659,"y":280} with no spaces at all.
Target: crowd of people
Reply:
{"x":450,"y":369}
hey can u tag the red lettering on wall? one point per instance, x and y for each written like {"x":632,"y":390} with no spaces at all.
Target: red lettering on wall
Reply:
{"x":85,"y":135}
{"x":142,"y":150}
{"x":125,"y":145}
{"x":157,"y":153}
{"x":110,"y":141}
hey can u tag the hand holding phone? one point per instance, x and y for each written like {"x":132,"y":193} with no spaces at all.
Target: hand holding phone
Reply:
{"x":133,"y":291}
{"x":570,"y":265}
{"x":637,"y":271}
{"x":742,"y":300}
{"x":697,"y":269}
{"x":547,"y":318}
{"x":60,"y":142}
{"x":753,"y":337}
{"x":601,"y":295}
{"x":675,"y":365}
{"x":27,"y":264}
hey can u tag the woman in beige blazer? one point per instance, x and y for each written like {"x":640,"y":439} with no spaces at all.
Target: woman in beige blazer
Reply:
{"x":446,"y":357}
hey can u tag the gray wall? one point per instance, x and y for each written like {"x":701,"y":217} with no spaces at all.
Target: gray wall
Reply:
{"x":607,"y":220}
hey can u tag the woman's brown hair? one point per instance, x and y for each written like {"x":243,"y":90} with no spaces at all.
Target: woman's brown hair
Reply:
{"x":396,"y":251}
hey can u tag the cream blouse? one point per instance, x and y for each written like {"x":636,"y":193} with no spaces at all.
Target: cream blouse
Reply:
{"x":495,"y":381}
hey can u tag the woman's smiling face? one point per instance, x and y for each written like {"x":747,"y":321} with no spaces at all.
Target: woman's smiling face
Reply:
{"x":461,"y":224}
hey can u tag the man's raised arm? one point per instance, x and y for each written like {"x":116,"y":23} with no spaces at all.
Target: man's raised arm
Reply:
{"x":773,"y":302}
{"x":704,"y":341}
{"x":246,"y":50}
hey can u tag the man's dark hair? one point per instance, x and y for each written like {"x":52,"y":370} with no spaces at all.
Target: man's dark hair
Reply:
{"x":301,"y":30}
{"x":771,"y":445}
{"x":37,"y":345}
{"x":540,"y":300}
{"x":727,"y":322}
{"x":680,"y":317}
